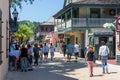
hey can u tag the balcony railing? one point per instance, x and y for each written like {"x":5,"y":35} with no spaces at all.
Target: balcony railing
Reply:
{"x":85,"y":22}
{"x":91,"y":22}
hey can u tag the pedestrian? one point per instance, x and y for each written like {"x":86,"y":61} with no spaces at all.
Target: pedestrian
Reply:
{"x":89,"y":57}
{"x":103,"y":55}
{"x":13,"y":56}
{"x":86,"y":49}
{"x":76,"y":51}
{"x":30,"y":51}
{"x":24,"y":58}
{"x":64,"y":49}
{"x":36,"y":50}
{"x":69,"y":51}
{"x":45,"y":51}
{"x":52,"y":50}
{"x":41,"y":52}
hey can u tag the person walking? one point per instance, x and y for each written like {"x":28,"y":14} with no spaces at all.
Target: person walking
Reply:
{"x":52,"y":50}
{"x":103,"y":55}
{"x":30,"y":51}
{"x":64,"y":49}
{"x":45,"y":51}
{"x":76,"y":51}
{"x":89,"y":57}
{"x":24,"y":58}
{"x":41,"y":52}
{"x":69,"y":51}
{"x":13,"y":58}
{"x":36,"y":50}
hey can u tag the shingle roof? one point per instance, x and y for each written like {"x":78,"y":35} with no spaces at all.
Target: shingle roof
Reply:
{"x":98,"y":2}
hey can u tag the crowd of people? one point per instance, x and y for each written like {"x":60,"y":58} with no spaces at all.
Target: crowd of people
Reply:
{"x":22,"y":56}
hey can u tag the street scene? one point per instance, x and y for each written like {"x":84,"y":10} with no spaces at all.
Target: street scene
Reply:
{"x":59,"y":40}
{"x":60,"y":69}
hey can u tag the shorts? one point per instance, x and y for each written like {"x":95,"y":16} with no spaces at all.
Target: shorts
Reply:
{"x":46,"y":53}
{"x":69,"y":54}
{"x":76,"y":53}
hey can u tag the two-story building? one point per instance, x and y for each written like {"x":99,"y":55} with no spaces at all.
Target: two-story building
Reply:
{"x":4,"y":38}
{"x":43,"y":29}
{"x":82,"y":21}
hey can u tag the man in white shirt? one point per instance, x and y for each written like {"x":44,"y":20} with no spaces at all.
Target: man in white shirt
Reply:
{"x":76,"y":51}
{"x":103,"y":55}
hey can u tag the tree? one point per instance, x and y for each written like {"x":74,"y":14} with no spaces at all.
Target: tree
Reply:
{"x":24,"y":33}
{"x":14,"y":3}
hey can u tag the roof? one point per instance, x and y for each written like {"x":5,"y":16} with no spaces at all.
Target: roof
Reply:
{"x":97,"y":2}
{"x":49,"y":22}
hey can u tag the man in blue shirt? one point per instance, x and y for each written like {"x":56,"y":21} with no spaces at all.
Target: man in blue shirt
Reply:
{"x":69,"y":51}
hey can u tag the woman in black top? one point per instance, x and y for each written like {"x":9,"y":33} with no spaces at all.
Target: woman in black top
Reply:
{"x":90,"y":59}
{"x":24,"y":58}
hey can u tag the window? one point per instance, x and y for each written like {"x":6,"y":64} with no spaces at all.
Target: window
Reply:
{"x":0,"y":36}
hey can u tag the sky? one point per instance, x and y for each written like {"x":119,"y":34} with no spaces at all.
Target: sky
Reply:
{"x":40,"y":10}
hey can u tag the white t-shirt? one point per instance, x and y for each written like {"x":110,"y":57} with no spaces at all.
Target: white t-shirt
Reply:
{"x":104,"y":50}
{"x":76,"y":48}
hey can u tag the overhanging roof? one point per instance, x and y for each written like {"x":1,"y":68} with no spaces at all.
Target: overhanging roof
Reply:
{"x":90,"y":3}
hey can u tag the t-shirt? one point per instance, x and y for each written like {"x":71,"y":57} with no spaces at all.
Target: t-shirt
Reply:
{"x":69,"y":48}
{"x":76,"y":48}
{"x":103,"y":50}
{"x":45,"y":49}
{"x":24,"y":52}
{"x":52,"y":48}
{"x":36,"y":50}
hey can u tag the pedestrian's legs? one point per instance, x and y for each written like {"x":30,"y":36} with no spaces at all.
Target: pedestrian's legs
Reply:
{"x":106,"y":66}
{"x":104,"y":63}
{"x":90,"y":67}
{"x":103,"y":66}
{"x":52,"y":55}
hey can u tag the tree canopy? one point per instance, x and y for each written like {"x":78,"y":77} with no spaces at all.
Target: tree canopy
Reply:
{"x":24,"y":32}
{"x":15,"y":3}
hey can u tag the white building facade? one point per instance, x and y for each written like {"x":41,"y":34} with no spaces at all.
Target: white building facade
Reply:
{"x":4,"y":38}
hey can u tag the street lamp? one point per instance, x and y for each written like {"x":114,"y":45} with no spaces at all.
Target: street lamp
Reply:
{"x":15,"y":15}
{"x":13,"y":22}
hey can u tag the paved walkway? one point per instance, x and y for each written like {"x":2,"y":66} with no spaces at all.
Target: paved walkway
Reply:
{"x":59,"y":69}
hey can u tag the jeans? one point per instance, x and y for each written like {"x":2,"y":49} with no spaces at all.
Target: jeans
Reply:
{"x":104,"y":63}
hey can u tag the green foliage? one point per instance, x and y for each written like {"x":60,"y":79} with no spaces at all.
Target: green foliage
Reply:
{"x":15,"y":3}
{"x":24,"y":32}
{"x":30,"y":24}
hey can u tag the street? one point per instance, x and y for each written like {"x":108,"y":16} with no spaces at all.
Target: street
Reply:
{"x":59,"y":69}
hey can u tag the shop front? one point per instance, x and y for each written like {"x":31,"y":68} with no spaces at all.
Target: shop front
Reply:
{"x":95,"y":39}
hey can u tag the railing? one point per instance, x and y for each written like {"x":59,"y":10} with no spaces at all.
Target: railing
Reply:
{"x":91,"y":22}
{"x":85,"y":22}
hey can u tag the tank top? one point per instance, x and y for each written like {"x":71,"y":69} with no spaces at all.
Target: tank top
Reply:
{"x":90,"y":56}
